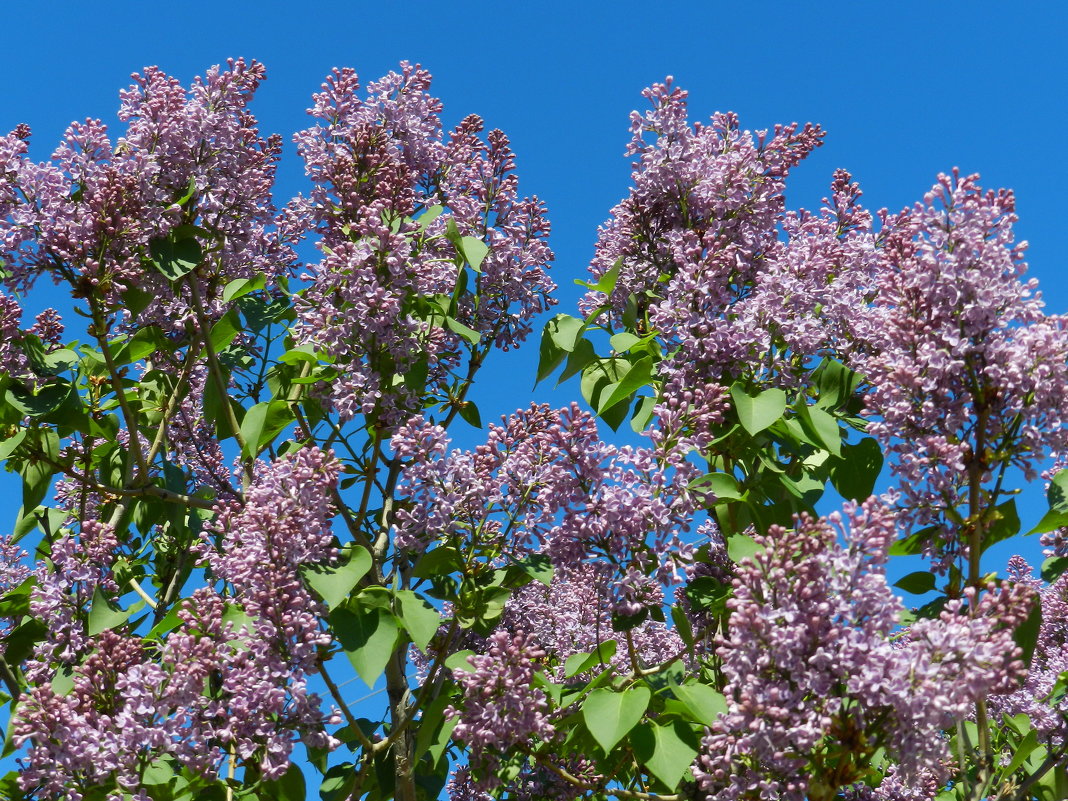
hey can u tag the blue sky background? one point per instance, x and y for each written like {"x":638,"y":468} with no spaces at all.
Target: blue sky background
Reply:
{"x":904,"y":89}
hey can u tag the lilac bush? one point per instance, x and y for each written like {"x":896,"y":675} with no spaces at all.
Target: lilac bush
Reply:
{"x":243,"y":488}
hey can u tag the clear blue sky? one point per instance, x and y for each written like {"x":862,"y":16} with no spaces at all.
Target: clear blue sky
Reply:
{"x":905,"y":90}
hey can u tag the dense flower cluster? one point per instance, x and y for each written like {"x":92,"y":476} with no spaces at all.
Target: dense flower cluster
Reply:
{"x":191,"y":164}
{"x":573,"y":615}
{"x":258,"y":546}
{"x":501,"y":705}
{"x":967,"y":371}
{"x":1048,"y":713}
{"x":811,"y":665}
{"x":252,"y":653}
{"x":697,"y":248}
{"x":545,"y":482}
{"x":388,"y":298}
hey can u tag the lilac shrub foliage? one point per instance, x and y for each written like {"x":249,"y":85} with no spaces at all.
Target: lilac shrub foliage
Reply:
{"x":241,"y":484}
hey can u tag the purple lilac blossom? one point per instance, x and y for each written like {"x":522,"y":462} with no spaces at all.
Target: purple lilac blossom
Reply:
{"x":544,"y":482}
{"x":1047,"y":715}
{"x":967,"y":370}
{"x":253,"y":651}
{"x":501,"y":706}
{"x":377,"y":162}
{"x":698,"y":250}
{"x":810,"y":660}
{"x":187,"y":158}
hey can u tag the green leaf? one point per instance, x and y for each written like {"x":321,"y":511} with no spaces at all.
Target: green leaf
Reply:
{"x":440,"y":560}
{"x":335,"y":584}
{"x":420,"y":618}
{"x":42,"y":402}
{"x":1051,"y":521}
{"x":104,"y":615}
{"x":1026,"y":634}
{"x":338,"y":782}
{"x":723,"y":486}
{"x":1003,"y":524}
{"x":16,"y":602}
{"x":704,"y":703}
{"x":610,"y":714}
{"x":10,"y":789}
{"x":475,"y":251}
{"x":59,"y":360}
{"x":262,"y":423}
{"x":175,"y":257}
{"x":914,"y":543}
{"x":855,"y":475}
{"x":301,"y":353}
{"x":599,"y":380}
{"x":1057,"y":494}
{"x":368,"y":638}
{"x":167,"y":623}
{"x":225,"y":330}
{"x":918,"y":583}
{"x":639,"y":375}
{"x":558,"y":339}
{"x":290,"y":787}
{"x":757,"y":412}
{"x":836,"y":384}
{"x":742,"y":546}
{"x":428,"y":217}
{"x":459,"y":660}
{"x":624,"y":341}
{"x":19,"y":644}
{"x":135,"y":300}
{"x":141,"y":345}
{"x":37,"y":474}
{"x":564,"y":331}
{"x":607,"y":282}
{"x":587,"y":660}
{"x":667,"y":751}
{"x":240,"y":287}
{"x":1027,"y":745}
{"x":550,"y":356}
{"x":579,"y":359}
{"x":643,"y":413}
{"x":469,"y":413}
{"x":538,"y":566}
{"x":8,"y":446}
{"x":821,"y":426}
{"x":708,"y":594}
{"x":434,"y":729}
{"x":1054,"y":567}
{"x":470,"y":334}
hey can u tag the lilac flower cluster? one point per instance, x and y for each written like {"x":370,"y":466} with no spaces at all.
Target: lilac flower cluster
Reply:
{"x":811,"y":665}
{"x":501,"y":705}
{"x":13,"y":571}
{"x":967,"y":371}
{"x":545,"y":482}
{"x":573,"y":615}
{"x":699,"y":256}
{"x":48,"y":327}
{"x":13,"y":360}
{"x":381,"y":296}
{"x":1049,"y":716}
{"x":188,"y":158}
{"x":257,"y":548}
{"x":230,"y":681}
